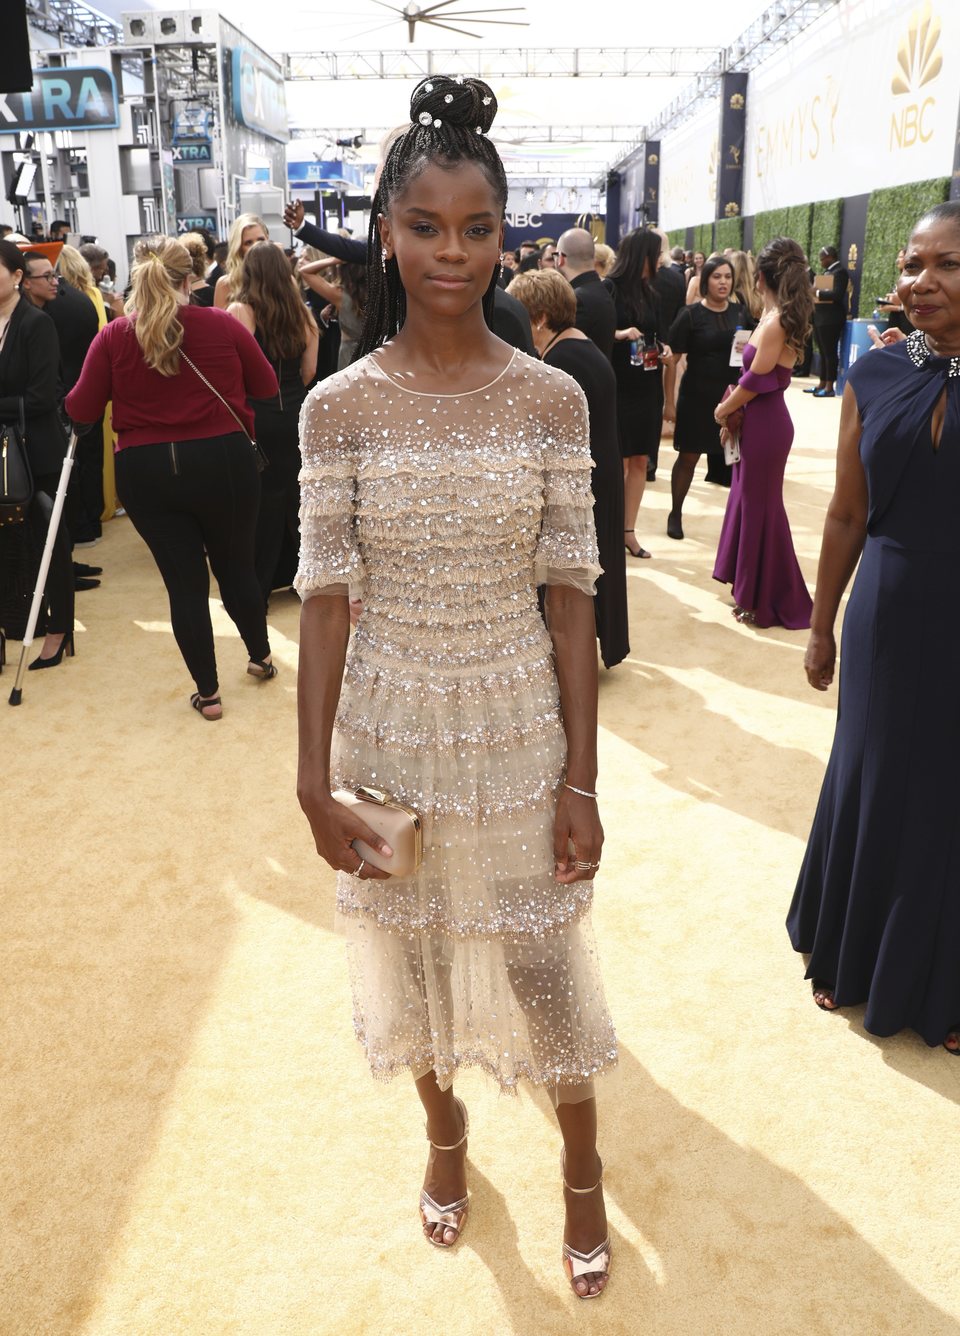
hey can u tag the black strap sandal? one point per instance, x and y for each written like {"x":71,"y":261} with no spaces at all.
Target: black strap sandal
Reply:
{"x":826,"y":990}
{"x":642,"y":551}
{"x":201,"y":703}
{"x":261,"y":670}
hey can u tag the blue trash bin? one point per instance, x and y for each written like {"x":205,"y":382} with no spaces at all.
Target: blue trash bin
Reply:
{"x":856,"y":343}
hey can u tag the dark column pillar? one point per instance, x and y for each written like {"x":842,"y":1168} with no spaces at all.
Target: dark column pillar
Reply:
{"x":651,"y":182}
{"x":733,"y":126}
{"x":612,"y":230}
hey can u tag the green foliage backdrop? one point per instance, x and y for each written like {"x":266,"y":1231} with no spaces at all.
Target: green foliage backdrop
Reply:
{"x":826,"y":227}
{"x":729,"y":234}
{"x":891,"y":213}
{"x":794,"y":221}
{"x":703,"y":238}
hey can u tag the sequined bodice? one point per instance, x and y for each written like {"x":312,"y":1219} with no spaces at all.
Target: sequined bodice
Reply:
{"x":459,"y":504}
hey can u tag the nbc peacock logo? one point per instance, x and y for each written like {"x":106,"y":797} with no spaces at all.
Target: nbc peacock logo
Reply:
{"x":919,"y":60}
{"x":919,"y":63}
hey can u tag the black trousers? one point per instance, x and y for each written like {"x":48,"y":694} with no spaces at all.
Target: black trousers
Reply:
{"x":828,"y":343}
{"x":190,"y":500}
{"x":59,"y":590}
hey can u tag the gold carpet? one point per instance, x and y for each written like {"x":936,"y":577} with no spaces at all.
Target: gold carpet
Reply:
{"x":190,"y":1142}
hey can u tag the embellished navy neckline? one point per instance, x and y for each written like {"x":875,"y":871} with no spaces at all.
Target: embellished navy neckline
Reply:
{"x":920,"y":354}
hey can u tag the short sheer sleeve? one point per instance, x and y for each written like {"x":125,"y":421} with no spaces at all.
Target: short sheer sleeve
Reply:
{"x":566,"y":551}
{"x":330,"y":560}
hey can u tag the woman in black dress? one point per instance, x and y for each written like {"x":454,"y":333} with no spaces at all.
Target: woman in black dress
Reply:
{"x":269,"y":305}
{"x":638,"y":366}
{"x":877,"y":905}
{"x":552,"y":306}
{"x":29,"y":358}
{"x":705,"y":332}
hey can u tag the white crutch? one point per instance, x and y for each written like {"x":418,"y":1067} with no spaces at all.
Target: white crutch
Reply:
{"x":16,"y":695}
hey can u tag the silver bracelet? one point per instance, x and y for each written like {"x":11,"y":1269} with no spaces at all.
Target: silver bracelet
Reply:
{"x":584,"y":793}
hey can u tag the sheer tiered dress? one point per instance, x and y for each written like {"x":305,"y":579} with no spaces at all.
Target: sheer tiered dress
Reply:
{"x":444,"y":513}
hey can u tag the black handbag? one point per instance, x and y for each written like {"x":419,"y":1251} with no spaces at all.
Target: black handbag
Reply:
{"x":16,"y":480}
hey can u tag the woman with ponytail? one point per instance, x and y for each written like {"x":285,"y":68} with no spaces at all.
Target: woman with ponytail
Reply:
{"x":445,"y":477}
{"x":179,"y":377}
{"x":756,"y":553}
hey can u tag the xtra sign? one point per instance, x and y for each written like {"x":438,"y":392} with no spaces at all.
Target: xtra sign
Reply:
{"x":62,"y":99}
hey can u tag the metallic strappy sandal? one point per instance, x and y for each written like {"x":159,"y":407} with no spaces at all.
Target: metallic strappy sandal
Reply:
{"x":578,"y":1264}
{"x":454,"y":1215}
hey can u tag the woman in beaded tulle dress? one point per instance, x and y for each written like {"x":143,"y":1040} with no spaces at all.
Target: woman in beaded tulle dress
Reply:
{"x":446,"y":476}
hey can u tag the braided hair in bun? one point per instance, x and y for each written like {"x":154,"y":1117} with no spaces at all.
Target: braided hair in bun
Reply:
{"x":450,"y":120}
{"x":786,"y":273}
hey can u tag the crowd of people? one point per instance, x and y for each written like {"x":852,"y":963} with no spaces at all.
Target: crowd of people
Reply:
{"x":453,"y":481}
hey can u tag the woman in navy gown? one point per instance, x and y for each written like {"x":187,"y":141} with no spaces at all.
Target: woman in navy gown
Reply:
{"x":877,"y":905}
{"x":755,"y":553}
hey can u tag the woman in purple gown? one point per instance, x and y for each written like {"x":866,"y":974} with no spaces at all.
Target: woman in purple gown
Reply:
{"x":877,"y":905}
{"x":756,"y":553}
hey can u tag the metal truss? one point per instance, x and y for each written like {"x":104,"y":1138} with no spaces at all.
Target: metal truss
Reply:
{"x":639,"y":62}
{"x":73,"y":23}
{"x":502,"y":134}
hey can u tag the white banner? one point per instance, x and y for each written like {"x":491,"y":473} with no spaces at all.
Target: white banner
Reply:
{"x":688,"y":171}
{"x":867,"y":97}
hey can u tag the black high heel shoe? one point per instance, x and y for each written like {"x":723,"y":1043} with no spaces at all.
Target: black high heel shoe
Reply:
{"x":66,"y":646}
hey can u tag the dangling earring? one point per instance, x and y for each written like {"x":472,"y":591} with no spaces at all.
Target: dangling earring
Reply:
{"x":383,"y":259}
{"x":502,"y":270}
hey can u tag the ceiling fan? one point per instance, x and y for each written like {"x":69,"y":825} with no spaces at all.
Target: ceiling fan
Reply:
{"x":433,"y":15}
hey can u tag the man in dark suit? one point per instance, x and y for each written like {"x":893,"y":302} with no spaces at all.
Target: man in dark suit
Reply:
{"x":829,"y":320}
{"x":510,"y":320}
{"x":596,"y":313}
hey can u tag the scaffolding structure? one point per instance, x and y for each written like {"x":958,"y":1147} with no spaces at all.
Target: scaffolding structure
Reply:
{"x":634,"y":62}
{"x":73,"y":24}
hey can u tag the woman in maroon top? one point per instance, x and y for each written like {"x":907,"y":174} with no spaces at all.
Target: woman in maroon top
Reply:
{"x":186,"y":473}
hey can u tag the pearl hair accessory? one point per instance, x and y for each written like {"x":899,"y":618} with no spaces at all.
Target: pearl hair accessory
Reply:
{"x":425,"y":118}
{"x":448,"y":97}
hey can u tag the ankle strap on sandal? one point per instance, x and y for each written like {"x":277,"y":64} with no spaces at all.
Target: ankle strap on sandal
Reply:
{"x":581,"y":1192}
{"x":466,"y":1128}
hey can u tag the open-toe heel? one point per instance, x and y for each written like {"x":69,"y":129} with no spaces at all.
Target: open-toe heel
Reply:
{"x":454,"y":1215}
{"x":594,"y":1265}
{"x":822,"y":994}
{"x":954,"y":1034}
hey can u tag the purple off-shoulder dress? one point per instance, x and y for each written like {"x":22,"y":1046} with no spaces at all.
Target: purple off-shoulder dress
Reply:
{"x":755,"y":553}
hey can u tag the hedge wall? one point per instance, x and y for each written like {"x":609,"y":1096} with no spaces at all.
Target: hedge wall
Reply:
{"x":794,"y":221}
{"x":891,"y":213}
{"x":729,"y":234}
{"x":703,"y":238}
{"x":826,"y":227}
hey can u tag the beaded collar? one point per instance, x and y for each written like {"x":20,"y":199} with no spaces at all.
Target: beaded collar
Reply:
{"x":920,"y":353}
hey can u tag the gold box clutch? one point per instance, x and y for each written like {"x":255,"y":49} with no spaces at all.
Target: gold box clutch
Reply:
{"x":400,"y":826}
